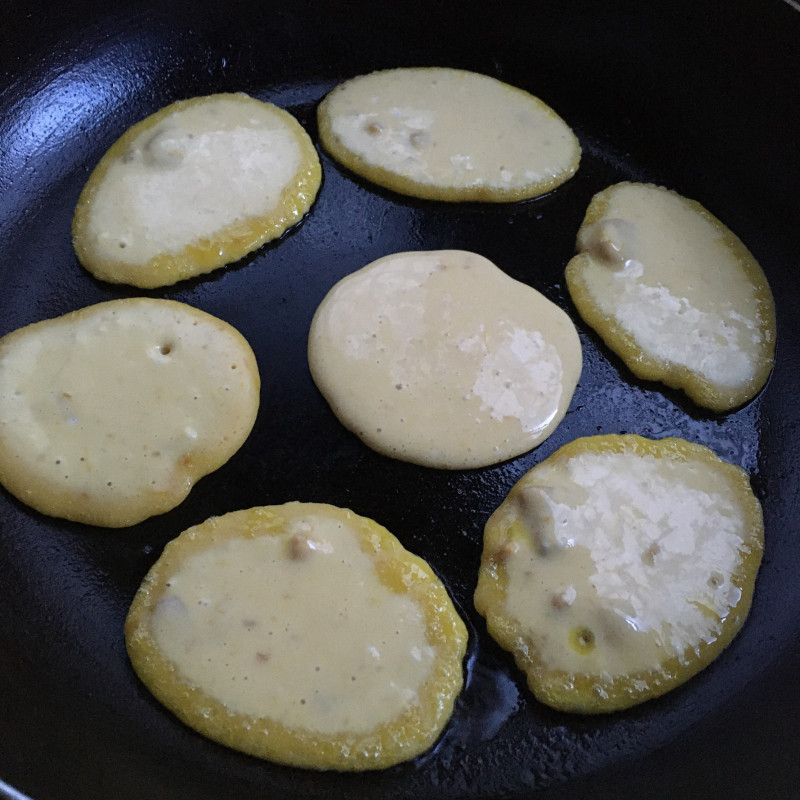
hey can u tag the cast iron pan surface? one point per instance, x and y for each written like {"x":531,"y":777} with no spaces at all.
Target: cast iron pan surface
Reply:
{"x":699,"y":96}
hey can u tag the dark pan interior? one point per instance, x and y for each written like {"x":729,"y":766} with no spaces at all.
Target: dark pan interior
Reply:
{"x":700,"y":96}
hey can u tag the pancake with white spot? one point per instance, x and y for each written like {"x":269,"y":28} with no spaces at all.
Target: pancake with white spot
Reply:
{"x":619,"y":567}
{"x":675,"y":294}
{"x":447,"y":134}
{"x":301,"y":633}
{"x":109,"y":414}
{"x":197,"y":185}
{"x":441,"y":359}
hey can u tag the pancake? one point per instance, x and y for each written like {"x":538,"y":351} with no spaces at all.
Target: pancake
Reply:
{"x":675,"y":294}
{"x":109,"y":414}
{"x":620,"y":567}
{"x":447,"y":134}
{"x":197,"y":185}
{"x":441,"y":359}
{"x":301,"y":633}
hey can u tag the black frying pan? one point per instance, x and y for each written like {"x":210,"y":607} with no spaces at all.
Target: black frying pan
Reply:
{"x":695,"y":94}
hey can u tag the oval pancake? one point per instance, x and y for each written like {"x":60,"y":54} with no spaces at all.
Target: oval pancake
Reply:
{"x":197,"y":185}
{"x":441,"y":359}
{"x":675,"y":294}
{"x":447,"y":134}
{"x":109,"y":414}
{"x":619,"y":567}
{"x":301,"y":633}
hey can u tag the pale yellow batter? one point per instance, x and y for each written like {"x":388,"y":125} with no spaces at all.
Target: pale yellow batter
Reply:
{"x":195,"y":186}
{"x":302,"y":633}
{"x":675,"y":294}
{"x":441,"y":359}
{"x":619,"y":567}
{"x":447,"y":134}
{"x":109,"y":414}
{"x":237,"y":620}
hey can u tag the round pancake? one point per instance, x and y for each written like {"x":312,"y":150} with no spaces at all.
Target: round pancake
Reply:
{"x":441,"y":359}
{"x":197,"y":185}
{"x":300,"y":633}
{"x":447,"y":134}
{"x":619,"y":567}
{"x":109,"y":414}
{"x":675,"y":294}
